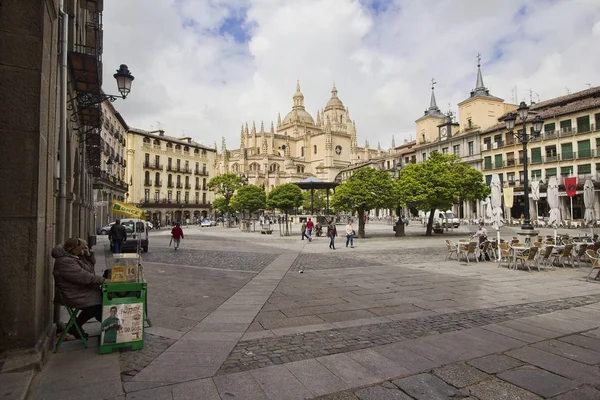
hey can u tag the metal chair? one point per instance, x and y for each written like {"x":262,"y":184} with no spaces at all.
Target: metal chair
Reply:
{"x":579,"y":253}
{"x":595,"y":260}
{"x":471,"y":248}
{"x":72,"y":321}
{"x":562,"y":254}
{"x":528,"y":257}
{"x":544,"y":258}
{"x":504,"y":253}
{"x":452,"y":249}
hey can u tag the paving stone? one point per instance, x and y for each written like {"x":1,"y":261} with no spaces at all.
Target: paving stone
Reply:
{"x":495,"y":363}
{"x":203,"y":389}
{"x":582,"y":341}
{"x":289,"y":322}
{"x":240,"y":385}
{"x":563,"y":366}
{"x":569,"y":351}
{"x":581,"y":393}
{"x":496,"y":389}
{"x":406,"y":358}
{"x":593,"y":333}
{"x":538,"y":381}
{"x":279,"y":383}
{"x":348,"y":395}
{"x":531,"y":329}
{"x":378,"y":364}
{"x":348,"y":370}
{"x":381,"y":393}
{"x":460,"y":374}
{"x":427,"y":387}
{"x":316,"y":378}
{"x":513,"y":333}
{"x":346,"y":315}
{"x":159,"y":393}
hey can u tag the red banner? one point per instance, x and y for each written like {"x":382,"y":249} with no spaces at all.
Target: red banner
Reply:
{"x":571,"y":186}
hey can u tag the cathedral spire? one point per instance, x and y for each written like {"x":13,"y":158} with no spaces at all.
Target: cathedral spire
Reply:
{"x":298,"y":98}
{"x":393,"y":142}
{"x":246,"y":128}
{"x":318,"y":118}
{"x":479,"y":84}
{"x":278,"y":120}
{"x":262,"y":127}
{"x":253,"y":132}
{"x":432,"y":103}
{"x":334,"y":91}
{"x":272,"y":129}
{"x":242,"y":138}
{"x":223,"y":145}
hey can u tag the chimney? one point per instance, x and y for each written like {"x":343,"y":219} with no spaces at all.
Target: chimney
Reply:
{"x":161,"y":132}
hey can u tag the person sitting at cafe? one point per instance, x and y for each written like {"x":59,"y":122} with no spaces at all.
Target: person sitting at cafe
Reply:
{"x":80,"y":287}
{"x":481,"y":233}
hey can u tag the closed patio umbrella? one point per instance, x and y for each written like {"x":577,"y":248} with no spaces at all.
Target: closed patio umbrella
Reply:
{"x":553,"y":203}
{"x":535,"y":195}
{"x":588,"y":201}
{"x":496,"y":186}
{"x":488,"y":208}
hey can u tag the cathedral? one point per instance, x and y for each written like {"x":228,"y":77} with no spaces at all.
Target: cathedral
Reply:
{"x":298,"y":147}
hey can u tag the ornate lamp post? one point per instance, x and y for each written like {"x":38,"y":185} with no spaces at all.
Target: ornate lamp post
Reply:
{"x":537,"y":124}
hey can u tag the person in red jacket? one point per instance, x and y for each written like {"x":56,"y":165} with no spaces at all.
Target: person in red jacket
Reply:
{"x":177,"y":233}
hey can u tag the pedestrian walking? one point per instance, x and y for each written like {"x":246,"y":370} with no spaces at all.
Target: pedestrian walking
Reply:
{"x":350,"y":234}
{"x":177,"y":234}
{"x":117,"y":235}
{"x":303,"y":231}
{"x":309,"y":227}
{"x":331,"y":233}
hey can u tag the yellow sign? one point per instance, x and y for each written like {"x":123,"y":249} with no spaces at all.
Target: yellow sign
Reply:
{"x":118,"y":207}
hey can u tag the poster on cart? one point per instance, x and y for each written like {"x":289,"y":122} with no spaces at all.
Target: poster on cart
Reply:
{"x":122,"y":323}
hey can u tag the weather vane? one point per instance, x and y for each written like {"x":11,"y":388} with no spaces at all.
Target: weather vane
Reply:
{"x":433,"y":82}
{"x":479,"y":59}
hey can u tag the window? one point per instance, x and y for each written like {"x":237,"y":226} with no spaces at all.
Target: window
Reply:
{"x":583,"y":124}
{"x":455,"y":150}
{"x":488,"y":180}
{"x":146,"y":195}
{"x":197,"y":195}
{"x":197,"y":182}
{"x":178,"y":164}
{"x":487,"y":162}
{"x":498,"y":161}
{"x":471,"y":148}
{"x":584,"y":169}
{"x":536,"y":174}
{"x":170,"y":195}
{"x":178,"y":180}
{"x":565,"y":171}
{"x":203,"y":198}
{"x":510,"y":159}
{"x":197,"y":168}
{"x":550,"y":172}
{"x":315,"y":148}
{"x":147,"y":178}
{"x":156,"y":196}
{"x":157,"y":179}
{"x":203,"y":183}
{"x":170,"y":180}
{"x":469,"y":123}
{"x":187,"y":165}
{"x":445,"y":150}
{"x":204,"y":169}
{"x":583,"y":149}
{"x":536,"y":155}
{"x":187,"y":180}
{"x":178,"y":197}
{"x":566,"y":150}
{"x":597,"y":121}
{"x":169,"y":163}
{"x":302,"y":151}
{"x":156,"y":161}
{"x":258,"y":150}
{"x":551,"y":127}
{"x":424,"y":156}
{"x":565,"y":126}
{"x":510,"y":177}
{"x":146,"y":159}
{"x":187,"y":197}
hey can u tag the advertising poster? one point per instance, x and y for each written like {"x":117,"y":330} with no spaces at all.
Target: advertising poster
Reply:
{"x":122,"y":323}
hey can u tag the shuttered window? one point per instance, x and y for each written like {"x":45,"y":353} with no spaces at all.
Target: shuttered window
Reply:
{"x":583,"y":124}
{"x":550,"y":127}
{"x":566,"y":170}
{"x":566,"y":150}
{"x":498,"y":161}
{"x":536,"y":173}
{"x":583,"y":149}
{"x":584,"y":169}
{"x":536,"y":155}
{"x":487,"y":162}
{"x":550,"y":172}
{"x":488,"y":180}
{"x":565,"y":125}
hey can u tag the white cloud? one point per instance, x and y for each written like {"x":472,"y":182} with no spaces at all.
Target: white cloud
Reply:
{"x":192,"y":74}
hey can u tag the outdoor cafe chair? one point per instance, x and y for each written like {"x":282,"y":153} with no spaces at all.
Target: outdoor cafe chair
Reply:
{"x":538,"y":244}
{"x":452,"y":249}
{"x":545,"y":255}
{"x":528,"y":257}
{"x":469,"y":249}
{"x":563,"y":253}
{"x":595,"y":260}
{"x":579,"y":252}
{"x":504,"y":253}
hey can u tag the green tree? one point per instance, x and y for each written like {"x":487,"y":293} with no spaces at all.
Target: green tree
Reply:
{"x":319,"y":200}
{"x":438,"y":183}
{"x":365,"y":190}
{"x":285,"y":197}
{"x":249,"y":197}
{"x":225,"y":185}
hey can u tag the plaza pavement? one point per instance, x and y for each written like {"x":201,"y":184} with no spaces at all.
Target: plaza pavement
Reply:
{"x":390,"y":319}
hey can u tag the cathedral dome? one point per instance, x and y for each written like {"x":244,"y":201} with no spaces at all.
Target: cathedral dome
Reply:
{"x":303,"y":115}
{"x":334,"y":102}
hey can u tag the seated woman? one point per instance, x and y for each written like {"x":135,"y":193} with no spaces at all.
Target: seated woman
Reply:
{"x":74,"y":278}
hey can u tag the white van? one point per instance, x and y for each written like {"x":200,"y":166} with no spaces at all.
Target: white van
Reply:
{"x":444,"y":219}
{"x":134,"y":228}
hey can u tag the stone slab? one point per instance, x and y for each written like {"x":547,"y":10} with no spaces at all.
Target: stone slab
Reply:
{"x":496,"y":389}
{"x":550,"y":324}
{"x":15,"y":385}
{"x":569,"y":351}
{"x":174,"y":373}
{"x":460,"y":374}
{"x":164,"y":332}
{"x":494,"y":341}
{"x":257,"y":335}
{"x":530,"y":329}
{"x":204,"y":389}
{"x":346,"y":315}
{"x":406,"y":358}
{"x":279,"y":383}
{"x":513,"y":333}
{"x":432,"y":352}
{"x":427,"y":387}
{"x":581,"y":393}
{"x":159,"y":393}
{"x":360,"y":322}
{"x":302,"y":329}
{"x":220,"y":327}
{"x":348,"y":370}
{"x":316,"y":378}
{"x":213,"y":336}
{"x":241,"y":385}
{"x":557,"y":364}
{"x":582,"y":341}
{"x":377,"y":364}
{"x":538,"y":381}
{"x":381,"y":393}
{"x":290,"y":322}
{"x":137,"y":386}
{"x":495,"y":363}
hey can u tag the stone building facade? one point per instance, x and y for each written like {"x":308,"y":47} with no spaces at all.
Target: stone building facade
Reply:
{"x":298,"y":146}
{"x":168,"y":176}
{"x":50,"y":154}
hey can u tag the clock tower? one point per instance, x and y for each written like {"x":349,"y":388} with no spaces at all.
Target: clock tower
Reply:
{"x":448,"y":127}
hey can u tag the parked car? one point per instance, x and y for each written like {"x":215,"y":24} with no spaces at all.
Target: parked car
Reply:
{"x":103,"y":230}
{"x":207,"y":222}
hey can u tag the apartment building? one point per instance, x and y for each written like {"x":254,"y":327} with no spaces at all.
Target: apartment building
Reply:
{"x":168,"y":176}
{"x":567,"y":146}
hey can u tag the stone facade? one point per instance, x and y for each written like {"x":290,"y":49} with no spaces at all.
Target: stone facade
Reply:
{"x":35,"y":214}
{"x":298,"y":147}
{"x":168,"y":176}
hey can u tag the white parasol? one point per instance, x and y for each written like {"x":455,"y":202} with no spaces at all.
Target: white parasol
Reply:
{"x":535,"y":195}
{"x":588,"y":201}
{"x":496,"y":186}
{"x":488,"y":208}
{"x":554,"y":204}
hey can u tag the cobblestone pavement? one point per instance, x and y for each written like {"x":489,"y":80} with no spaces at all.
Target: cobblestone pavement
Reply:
{"x":258,"y":353}
{"x":311,"y":261}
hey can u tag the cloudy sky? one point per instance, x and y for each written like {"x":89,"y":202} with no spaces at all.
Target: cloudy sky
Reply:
{"x":204,"y":67}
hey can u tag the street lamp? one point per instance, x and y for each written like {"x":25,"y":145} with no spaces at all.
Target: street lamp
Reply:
{"x":537,"y":124}
{"x":124,"y":79}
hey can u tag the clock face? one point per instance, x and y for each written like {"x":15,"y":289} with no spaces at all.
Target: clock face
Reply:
{"x":338,"y":150}
{"x":444,"y":131}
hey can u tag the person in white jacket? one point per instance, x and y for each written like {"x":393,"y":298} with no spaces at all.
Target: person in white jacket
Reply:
{"x":349,"y":234}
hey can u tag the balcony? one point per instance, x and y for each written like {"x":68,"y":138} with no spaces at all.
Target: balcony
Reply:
{"x":186,"y":170}
{"x":488,"y":166}
{"x":170,"y":185}
{"x":148,"y":165}
{"x":108,"y":179}
{"x":157,"y":183}
{"x":510,"y":162}
{"x":568,"y":156}
{"x":179,"y":186}
{"x":197,"y":187}
{"x":188,"y":186}
{"x":202,"y":172}
{"x":148,"y":183}
{"x":585,"y":154}
{"x":551,"y":158}
{"x":170,"y":168}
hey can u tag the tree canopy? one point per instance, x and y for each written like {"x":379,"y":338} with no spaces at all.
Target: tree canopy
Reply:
{"x":285,"y":197}
{"x":365,"y":190}
{"x":225,"y":185}
{"x":249,"y":197}
{"x":319,"y":200}
{"x":438,"y":183}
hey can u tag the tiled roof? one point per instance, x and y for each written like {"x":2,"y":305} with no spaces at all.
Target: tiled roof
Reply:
{"x":173,"y":139}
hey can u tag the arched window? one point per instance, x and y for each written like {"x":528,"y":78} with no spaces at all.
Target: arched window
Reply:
{"x":302,"y":151}
{"x":197,"y":182}
{"x":177,"y":147}
{"x":170,"y":180}
{"x":157,"y":179}
{"x":186,"y":148}
{"x":147,"y":177}
{"x":178,"y":179}
{"x":315,"y":147}
{"x":146,"y":140}
{"x":341,"y":120}
{"x":187,"y":180}
{"x":203,"y":183}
